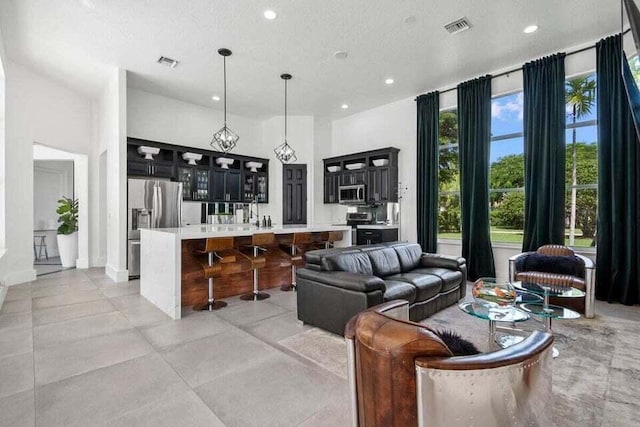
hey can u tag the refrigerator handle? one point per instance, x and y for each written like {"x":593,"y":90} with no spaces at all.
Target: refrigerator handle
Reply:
{"x":160,"y":204}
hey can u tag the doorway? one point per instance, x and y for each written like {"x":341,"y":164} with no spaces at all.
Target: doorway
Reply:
{"x":294,"y":195}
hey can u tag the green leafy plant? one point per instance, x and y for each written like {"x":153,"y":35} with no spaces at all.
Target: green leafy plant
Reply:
{"x":67,"y":215}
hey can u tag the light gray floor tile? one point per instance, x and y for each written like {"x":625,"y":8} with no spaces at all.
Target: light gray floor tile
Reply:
{"x":78,"y":329}
{"x":16,"y":374}
{"x":16,"y":341}
{"x":618,"y":414}
{"x":287,"y":300}
{"x":61,"y":361}
{"x":73,"y":311}
{"x":70,"y":288}
{"x":16,"y":306}
{"x":59,"y":279}
{"x":107,"y":394}
{"x":189,"y":328}
{"x":338,"y":414}
{"x":280,"y":391}
{"x":250,"y":312}
{"x":15,"y":320}
{"x":631,"y":390}
{"x":67,"y":299}
{"x":138,"y":310}
{"x":15,"y":292}
{"x":121,"y":289}
{"x":275,"y":329}
{"x":201,"y":361}
{"x":184,"y":409}
{"x":18,"y":410}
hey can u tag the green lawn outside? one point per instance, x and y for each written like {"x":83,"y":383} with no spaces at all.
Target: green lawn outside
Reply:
{"x":506,"y":235}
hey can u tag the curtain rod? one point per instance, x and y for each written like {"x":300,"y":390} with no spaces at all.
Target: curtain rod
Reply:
{"x":513,"y":70}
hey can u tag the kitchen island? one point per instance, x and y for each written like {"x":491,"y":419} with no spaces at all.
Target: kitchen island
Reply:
{"x":170,"y":276}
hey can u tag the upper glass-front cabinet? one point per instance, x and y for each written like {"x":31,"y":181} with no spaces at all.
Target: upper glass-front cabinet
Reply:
{"x":195,"y":183}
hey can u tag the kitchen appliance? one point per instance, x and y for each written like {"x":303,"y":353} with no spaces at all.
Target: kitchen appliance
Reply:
{"x":151,"y":203}
{"x":358,"y":218}
{"x":352,"y":194}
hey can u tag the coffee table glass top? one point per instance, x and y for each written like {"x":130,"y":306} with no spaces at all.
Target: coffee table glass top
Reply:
{"x":553,"y":290}
{"x":552,"y":311}
{"x":496,"y":314}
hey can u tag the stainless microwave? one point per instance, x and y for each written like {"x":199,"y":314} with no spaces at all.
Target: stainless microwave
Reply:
{"x":352,"y":194}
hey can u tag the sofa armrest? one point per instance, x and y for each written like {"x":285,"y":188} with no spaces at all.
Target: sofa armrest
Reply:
{"x":344,"y":280}
{"x":442,"y":261}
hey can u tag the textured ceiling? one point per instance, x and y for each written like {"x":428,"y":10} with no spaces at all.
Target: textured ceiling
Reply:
{"x":74,"y":41}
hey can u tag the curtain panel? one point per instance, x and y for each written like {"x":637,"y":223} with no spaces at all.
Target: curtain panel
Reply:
{"x":474,"y":138}
{"x":618,"y":236}
{"x":544,"y":152}
{"x":428,"y":109}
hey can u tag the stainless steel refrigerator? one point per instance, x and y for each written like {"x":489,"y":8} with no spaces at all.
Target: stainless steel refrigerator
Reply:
{"x":152,"y":203}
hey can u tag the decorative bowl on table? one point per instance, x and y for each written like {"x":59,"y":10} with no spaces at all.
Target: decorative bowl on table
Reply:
{"x":253,"y":166}
{"x":192,"y":158}
{"x":224,"y":162}
{"x":493,"y":293}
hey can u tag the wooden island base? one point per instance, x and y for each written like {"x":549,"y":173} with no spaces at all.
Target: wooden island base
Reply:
{"x":273,"y":275}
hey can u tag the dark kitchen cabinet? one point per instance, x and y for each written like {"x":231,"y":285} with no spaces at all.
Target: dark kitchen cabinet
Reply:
{"x":226,"y":185}
{"x":367,"y":236}
{"x":380,"y":185}
{"x":357,"y":177}
{"x":255,"y":188}
{"x":195,"y":183}
{"x":331,"y":185}
{"x":150,"y":168}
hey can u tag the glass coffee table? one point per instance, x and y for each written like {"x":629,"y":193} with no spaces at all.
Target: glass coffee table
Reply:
{"x":495,"y":315}
{"x":543,"y":309}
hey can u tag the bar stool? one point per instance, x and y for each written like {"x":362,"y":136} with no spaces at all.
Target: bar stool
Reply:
{"x":334,"y":236}
{"x":218,"y":251}
{"x":296,"y":256}
{"x":42,"y":244}
{"x":259,"y":243}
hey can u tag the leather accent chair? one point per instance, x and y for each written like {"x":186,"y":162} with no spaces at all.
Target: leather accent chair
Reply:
{"x":585,"y":280}
{"x":401,"y":375}
{"x":338,"y":283}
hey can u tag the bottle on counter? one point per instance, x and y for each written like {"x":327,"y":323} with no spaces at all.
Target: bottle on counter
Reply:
{"x":269,"y":222}
{"x":264,"y":221}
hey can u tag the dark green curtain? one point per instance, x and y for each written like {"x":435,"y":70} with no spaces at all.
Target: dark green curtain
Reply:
{"x":544,"y":152}
{"x":427,"y":171}
{"x":474,"y":137}
{"x":618,"y":239}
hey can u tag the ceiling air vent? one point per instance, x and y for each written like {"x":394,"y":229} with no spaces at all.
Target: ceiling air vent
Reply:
{"x":458,"y":26}
{"x":163,"y":60}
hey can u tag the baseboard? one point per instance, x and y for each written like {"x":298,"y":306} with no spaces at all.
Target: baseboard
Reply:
{"x":116,"y":275}
{"x":82,"y":263}
{"x":3,"y":294}
{"x":17,"y":277}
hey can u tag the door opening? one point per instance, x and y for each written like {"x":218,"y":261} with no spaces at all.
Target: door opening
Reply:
{"x":294,"y":195}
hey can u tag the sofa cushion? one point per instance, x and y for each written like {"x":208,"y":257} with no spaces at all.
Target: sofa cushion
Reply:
{"x":571,"y":265}
{"x":399,"y":290}
{"x":450,"y":279}
{"x":409,"y":256}
{"x":427,"y":285}
{"x":384,"y":261}
{"x":356,"y":262}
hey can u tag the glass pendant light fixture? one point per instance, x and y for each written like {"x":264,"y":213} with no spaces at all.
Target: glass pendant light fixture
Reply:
{"x":225,"y":139}
{"x":284,"y":152}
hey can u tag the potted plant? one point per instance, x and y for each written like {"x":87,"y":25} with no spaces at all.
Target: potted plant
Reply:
{"x":68,"y":231}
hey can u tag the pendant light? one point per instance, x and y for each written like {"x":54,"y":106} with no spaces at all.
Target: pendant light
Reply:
{"x":225,"y":139}
{"x":285,"y":153}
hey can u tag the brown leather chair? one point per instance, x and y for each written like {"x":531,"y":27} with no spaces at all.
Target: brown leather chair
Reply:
{"x":402,"y":374}
{"x":296,"y":255}
{"x":259,"y":244}
{"x":585,"y":282}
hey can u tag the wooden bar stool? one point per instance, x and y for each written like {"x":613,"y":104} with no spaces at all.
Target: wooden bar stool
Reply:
{"x":259,"y":244}
{"x":216,"y":253}
{"x":296,"y":256}
{"x":334,"y":236}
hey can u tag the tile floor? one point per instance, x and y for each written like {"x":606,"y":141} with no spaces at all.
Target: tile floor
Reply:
{"x":79,"y":350}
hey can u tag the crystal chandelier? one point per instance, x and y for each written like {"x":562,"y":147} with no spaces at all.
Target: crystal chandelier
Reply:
{"x":225,"y":139}
{"x":284,"y":152}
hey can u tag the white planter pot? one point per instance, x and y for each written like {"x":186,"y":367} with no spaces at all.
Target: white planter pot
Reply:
{"x":68,"y":248}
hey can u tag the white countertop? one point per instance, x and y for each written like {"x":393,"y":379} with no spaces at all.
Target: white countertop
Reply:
{"x":377,"y":226}
{"x":203,"y":231}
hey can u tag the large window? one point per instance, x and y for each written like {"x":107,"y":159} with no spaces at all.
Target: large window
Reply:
{"x":449,"y":220}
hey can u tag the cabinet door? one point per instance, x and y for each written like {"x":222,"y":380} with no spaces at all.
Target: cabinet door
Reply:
{"x":162,"y":170}
{"x":234,"y":186}
{"x":384,"y":184}
{"x":185,"y":176}
{"x":201,"y":188}
{"x":328,"y":193}
{"x":368,"y":237}
{"x":346,"y":178}
{"x":359,"y":177}
{"x":218,"y":184}
{"x":373,"y":189}
{"x":262,"y":188}
{"x":138,"y":168}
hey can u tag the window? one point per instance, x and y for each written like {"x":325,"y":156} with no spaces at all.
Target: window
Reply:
{"x":449,"y":220}
{"x":582,"y":161}
{"x":506,"y":173}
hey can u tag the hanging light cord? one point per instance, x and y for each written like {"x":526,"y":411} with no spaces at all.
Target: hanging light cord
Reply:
{"x":285,"y":111}
{"x":224,"y":67}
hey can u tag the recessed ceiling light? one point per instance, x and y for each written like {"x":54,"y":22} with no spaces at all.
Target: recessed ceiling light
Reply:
{"x":215,"y":98}
{"x":344,"y":106}
{"x":389,"y":81}
{"x":270,"y":14}
{"x":531,"y":29}
{"x":341,"y":54}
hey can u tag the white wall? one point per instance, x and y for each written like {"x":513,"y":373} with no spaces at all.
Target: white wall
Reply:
{"x":38,"y":110}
